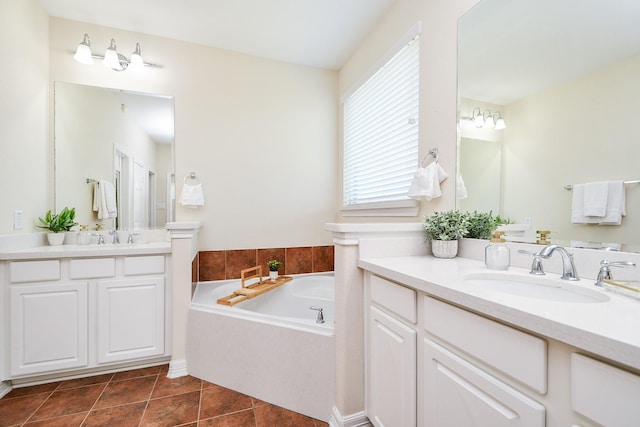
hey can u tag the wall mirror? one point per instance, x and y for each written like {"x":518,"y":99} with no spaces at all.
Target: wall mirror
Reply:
{"x":564,"y":75}
{"x":122,"y":138}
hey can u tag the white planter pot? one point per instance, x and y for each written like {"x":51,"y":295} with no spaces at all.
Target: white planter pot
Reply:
{"x":273,"y":275}
{"x":444,"y":248}
{"x":55,"y":239}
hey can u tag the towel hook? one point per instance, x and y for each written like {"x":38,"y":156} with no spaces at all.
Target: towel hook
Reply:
{"x":433,"y":152}
{"x":191,"y":175}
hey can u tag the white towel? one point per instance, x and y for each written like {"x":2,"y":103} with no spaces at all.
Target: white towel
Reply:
{"x":104,"y":200}
{"x":461,"y":189}
{"x":192,"y":196}
{"x":595,"y":198}
{"x":615,"y":205}
{"x":426,"y":182}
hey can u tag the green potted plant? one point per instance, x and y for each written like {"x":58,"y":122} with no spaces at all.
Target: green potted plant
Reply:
{"x":57,"y":224}
{"x":444,"y":229}
{"x":274,"y":266}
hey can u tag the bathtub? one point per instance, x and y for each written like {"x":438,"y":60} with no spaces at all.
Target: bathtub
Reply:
{"x":269,"y":347}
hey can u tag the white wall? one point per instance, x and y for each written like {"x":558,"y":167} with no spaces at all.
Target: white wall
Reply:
{"x":260,"y":134}
{"x":584,"y":130}
{"x":24,"y":113}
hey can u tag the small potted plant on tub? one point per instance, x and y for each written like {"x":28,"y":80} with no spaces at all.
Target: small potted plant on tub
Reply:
{"x":274,"y":266}
{"x":58,"y":224}
{"x":444,"y":229}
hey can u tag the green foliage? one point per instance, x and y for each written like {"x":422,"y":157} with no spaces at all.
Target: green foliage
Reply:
{"x":482,"y":224}
{"x":274,"y":265}
{"x":59,"y":222}
{"x":450,"y":225}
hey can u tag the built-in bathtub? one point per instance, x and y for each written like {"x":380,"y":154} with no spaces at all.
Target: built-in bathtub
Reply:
{"x":269,"y":347}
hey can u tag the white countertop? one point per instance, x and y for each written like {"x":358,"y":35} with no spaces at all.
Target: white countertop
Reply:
{"x":93,"y":250}
{"x":610,"y":329}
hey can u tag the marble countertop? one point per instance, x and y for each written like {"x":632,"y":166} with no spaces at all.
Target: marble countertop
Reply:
{"x":82,"y":251}
{"x":610,"y":329}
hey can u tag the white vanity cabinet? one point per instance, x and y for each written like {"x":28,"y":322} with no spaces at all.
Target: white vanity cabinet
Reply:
{"x":91,"y":313}
{"x":390,"y":364}
{"x":48,"y":327}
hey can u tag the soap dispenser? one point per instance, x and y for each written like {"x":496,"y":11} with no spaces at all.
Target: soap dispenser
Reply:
{"x":496,"y":254}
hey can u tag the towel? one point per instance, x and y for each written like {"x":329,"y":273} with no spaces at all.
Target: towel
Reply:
{"x":104,"y":200}
{"x":615,"y":204}
{"x":461,"y":189}
{"x":595,"y":198}
{"x":426,"y":182}
{"x":192,"y":196}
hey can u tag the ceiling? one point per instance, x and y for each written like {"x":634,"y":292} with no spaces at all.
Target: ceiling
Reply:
{"x":318,"y":33}
{"x":511,"y":49}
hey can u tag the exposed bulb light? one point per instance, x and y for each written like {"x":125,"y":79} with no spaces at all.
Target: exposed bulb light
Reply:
{"x":136,"y":62}
{"x":111,"y":59}
{"x":83,"y":52}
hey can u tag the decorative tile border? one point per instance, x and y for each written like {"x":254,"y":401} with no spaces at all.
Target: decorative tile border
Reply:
{"x":227,"y":264}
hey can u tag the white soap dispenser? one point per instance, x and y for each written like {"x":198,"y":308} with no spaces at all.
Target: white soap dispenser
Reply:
{"x":497,"y":255}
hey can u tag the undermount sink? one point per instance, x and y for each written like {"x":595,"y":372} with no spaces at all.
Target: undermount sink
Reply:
{"x":542,"y":288}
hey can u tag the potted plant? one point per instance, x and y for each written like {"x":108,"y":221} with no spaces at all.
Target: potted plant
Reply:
{"x":481,"y":224}
{"x":444,"y":229}
{"x":57,"y":224}
{"x":274,"y":266}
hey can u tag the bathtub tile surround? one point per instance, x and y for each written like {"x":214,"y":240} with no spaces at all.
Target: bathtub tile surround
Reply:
{"x":227,"y":264}
{"x":141,"y":397}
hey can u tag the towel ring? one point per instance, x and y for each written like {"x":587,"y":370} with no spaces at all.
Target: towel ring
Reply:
{"x":434,"y":152}
{"x":193,"y":176}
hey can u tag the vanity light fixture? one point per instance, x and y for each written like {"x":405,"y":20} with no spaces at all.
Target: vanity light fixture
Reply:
{"x":112,"y":59}
{"x":482,"y":120}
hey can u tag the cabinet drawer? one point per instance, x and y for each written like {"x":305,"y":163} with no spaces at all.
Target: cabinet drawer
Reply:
{"x":604,"y":394}
{"x":34,"y":271}
{"x":397,"y":298}
{"x":515,"y":353}
{"x":144,"y":265}
{"x":92,"y":268}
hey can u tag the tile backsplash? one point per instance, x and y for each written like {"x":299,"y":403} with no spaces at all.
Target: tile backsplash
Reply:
{"x":227,"y":264}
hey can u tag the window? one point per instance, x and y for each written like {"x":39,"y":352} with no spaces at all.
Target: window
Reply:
{"x":381,"y":134}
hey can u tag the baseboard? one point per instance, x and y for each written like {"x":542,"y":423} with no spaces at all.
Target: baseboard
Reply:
{"x":177,"y":368}
{"x":4,"y":389}
{"x":359,"y":419}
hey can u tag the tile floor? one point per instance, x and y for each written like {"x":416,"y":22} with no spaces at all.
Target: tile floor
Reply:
{"x":141,"y":397}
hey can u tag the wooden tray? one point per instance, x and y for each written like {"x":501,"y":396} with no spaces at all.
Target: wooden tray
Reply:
{"x":252,"y":290}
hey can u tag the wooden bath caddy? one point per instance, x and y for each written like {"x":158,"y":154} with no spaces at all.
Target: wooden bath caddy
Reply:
{"x":253,"y":290}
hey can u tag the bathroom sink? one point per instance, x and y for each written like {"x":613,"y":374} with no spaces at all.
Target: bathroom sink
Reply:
{"x":535,"y":287}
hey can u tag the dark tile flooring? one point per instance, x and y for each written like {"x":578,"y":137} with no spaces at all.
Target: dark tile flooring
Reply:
{"x":141,"y":397}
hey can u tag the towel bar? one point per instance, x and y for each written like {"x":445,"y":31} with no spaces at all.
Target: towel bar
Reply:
{"x":569,"y":187}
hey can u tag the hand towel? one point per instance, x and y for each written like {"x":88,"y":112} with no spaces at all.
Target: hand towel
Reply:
{"x":461,"y":189}
{"x":595,"y":198}
{"x":192,"y":196}
{"x":104,"y":199}
{"x":426,"y":182}
{"x":616,"y":204}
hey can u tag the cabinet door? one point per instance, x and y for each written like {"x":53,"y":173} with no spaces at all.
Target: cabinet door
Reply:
{"x":457,"y":393}
{"x":130,"y":319}
{"x":391,"y":371}
{"x":48,"y":327}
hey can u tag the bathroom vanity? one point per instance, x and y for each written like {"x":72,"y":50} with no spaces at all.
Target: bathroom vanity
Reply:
{"x":442,"y":350}
{"x":72,"y":310}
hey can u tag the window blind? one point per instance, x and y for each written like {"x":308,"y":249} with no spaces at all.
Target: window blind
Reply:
{"x":381,"y":133}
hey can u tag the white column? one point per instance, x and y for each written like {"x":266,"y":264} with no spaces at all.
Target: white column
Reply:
{"x":183,"y":249}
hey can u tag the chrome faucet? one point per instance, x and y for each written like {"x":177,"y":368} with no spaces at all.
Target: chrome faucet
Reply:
{"x":605,"y":269}
{"x":114,"y":233}
{"x":320,"y":318}
{"x":569,"y":271}
{"x":536,"y":264}
{"x":100,"y":237}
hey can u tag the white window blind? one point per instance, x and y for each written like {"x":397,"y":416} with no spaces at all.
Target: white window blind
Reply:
{"x":381,"y":133}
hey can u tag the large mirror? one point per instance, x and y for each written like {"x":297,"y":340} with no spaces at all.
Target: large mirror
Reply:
{"x":565,"y":77}
{"x":113,"y":157}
